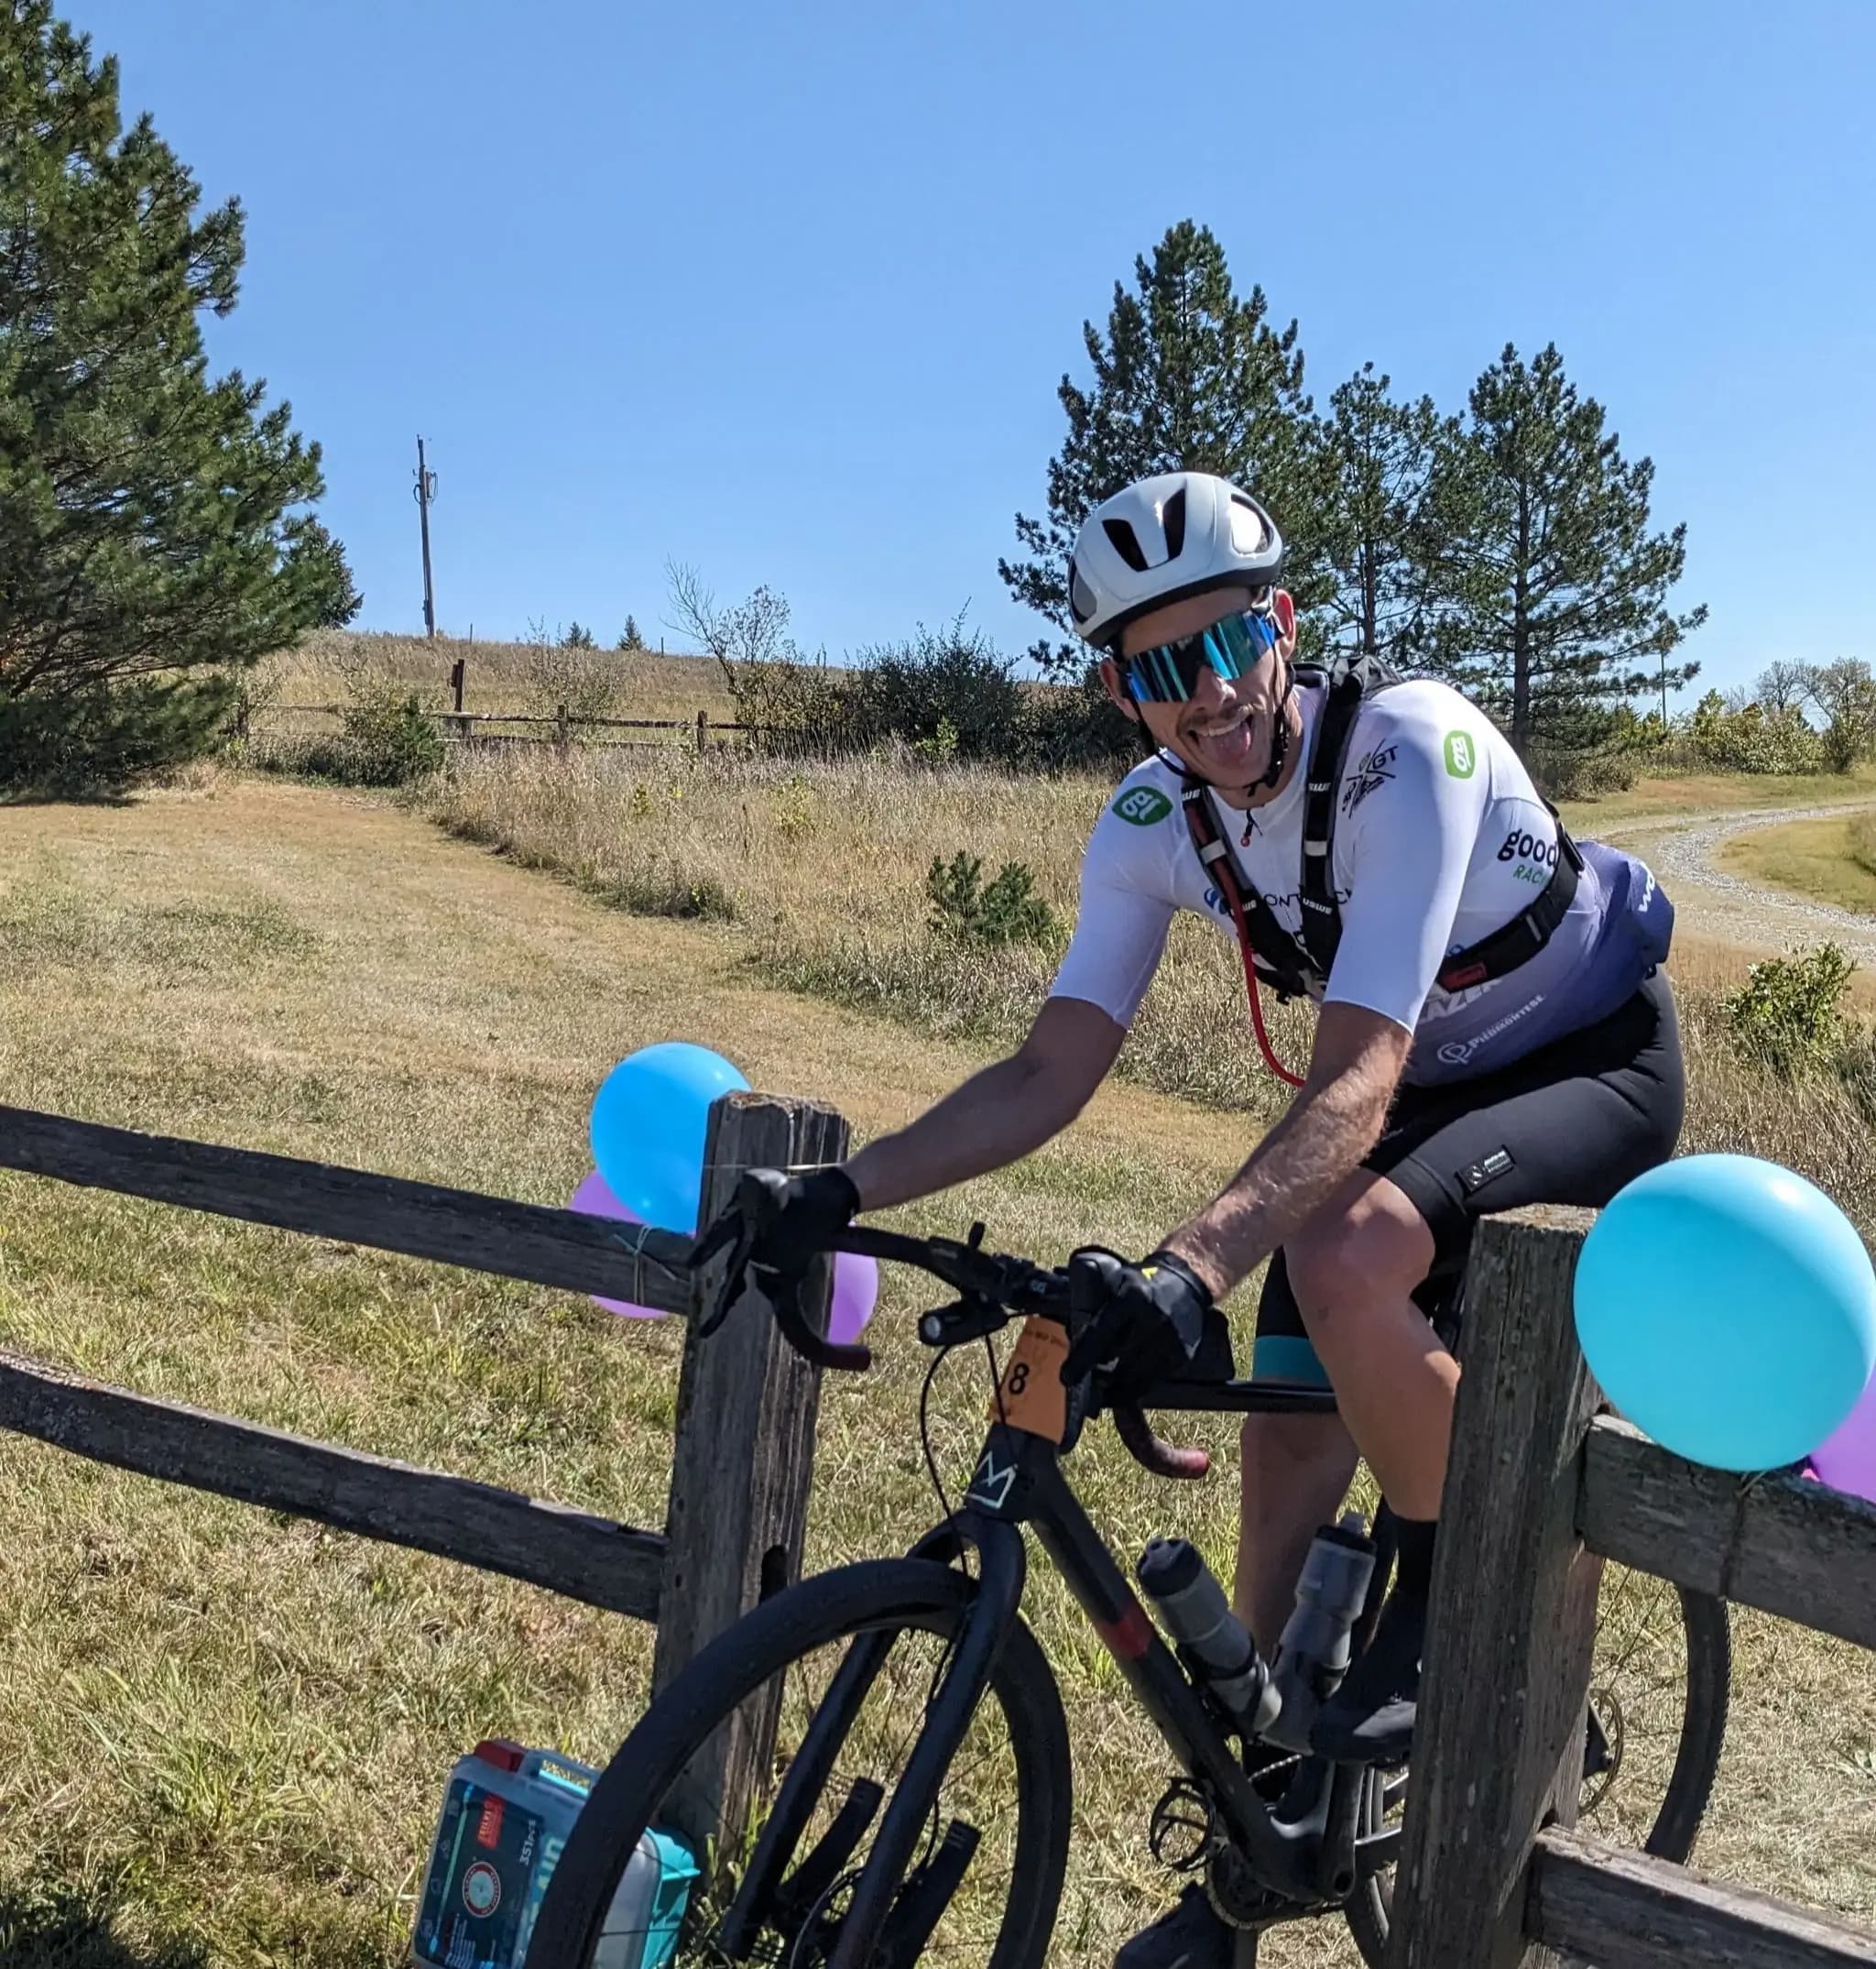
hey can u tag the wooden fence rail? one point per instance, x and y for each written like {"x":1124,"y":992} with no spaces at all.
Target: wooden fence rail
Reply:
{"x":743,"y":1458}
{"x":1538,"y":1493}
{"x":699,"y":726}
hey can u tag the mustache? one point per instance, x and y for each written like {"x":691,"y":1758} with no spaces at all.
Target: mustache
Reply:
{"x":1242,"y":713}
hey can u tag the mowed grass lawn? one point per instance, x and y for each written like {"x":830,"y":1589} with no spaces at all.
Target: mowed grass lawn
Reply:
{"x":224,"y":1733}
{"x":1832,"y":860}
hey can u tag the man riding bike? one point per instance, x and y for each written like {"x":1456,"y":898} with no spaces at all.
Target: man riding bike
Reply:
{"x":1493,"y":1030}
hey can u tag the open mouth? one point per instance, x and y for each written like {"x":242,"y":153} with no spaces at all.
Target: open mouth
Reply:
{"x":1221,"y":745}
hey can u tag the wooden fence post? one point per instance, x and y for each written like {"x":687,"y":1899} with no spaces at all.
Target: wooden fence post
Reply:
{"x":702,"y":730}
{"x":742,"y":1460}
{"x":562,"y":728}
{"x":1498,"y":1743}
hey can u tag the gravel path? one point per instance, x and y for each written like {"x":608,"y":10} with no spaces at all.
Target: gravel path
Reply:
{"x":1715,"y":902}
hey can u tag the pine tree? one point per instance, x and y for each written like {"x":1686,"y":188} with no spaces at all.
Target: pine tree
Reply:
{"x":1547,"y":593}
{"x":629,"y":637}
{"x":339,"y":600}
{"x":1187,"y":376}
{"x":153,"y":541}
{"x":1373,"y":461}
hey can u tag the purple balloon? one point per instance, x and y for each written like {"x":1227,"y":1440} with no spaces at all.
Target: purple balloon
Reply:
{"x":855,"y":1278}
{"x":1846,"y":1460}
{"x":855,"y":1288}
{"x":594,"y":1200}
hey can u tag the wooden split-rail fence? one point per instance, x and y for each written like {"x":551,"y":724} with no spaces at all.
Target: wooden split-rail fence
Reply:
{"x":1539,"y":1491}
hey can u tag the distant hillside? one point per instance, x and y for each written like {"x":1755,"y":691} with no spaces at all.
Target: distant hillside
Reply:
{"x":498,"y":676}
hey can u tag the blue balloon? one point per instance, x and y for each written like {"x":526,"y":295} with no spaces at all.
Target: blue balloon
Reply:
{"x":1728,"y":1309}
{"x":648,"y":1125}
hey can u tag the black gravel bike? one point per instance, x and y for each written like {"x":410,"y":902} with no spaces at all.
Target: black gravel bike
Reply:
{"x":920,"y":1807}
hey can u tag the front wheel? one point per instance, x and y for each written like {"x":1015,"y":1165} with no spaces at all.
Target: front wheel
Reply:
{"x":854,"y":1658}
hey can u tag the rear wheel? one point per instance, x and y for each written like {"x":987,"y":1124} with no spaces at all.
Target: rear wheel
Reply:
{"x":856,"y":1657}
{"x":1659,"y":1688}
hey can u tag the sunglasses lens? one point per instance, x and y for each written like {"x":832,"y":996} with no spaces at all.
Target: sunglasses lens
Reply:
{"x":1169,"y":671}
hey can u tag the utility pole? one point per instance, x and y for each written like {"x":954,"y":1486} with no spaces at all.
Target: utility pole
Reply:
{"x":424,"y":491}
{"x":1664,"y":690}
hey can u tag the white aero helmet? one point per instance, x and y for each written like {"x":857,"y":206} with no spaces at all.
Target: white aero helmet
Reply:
{"x":1161,"y":539}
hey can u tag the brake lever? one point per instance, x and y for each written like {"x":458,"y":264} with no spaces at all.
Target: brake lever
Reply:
{"x":733,"y":1227}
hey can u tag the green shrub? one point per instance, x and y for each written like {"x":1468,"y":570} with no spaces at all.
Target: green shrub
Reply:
{"x":1006,"y":910}
{"x":1789,"y":1016}
{"x":389,"y":740}
{"x":947,"y":694}
{"x":941,"y":747}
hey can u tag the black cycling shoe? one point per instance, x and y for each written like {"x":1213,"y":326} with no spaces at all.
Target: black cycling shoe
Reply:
{"x":1369,"y":1718}
{"x":1190,"y":1935}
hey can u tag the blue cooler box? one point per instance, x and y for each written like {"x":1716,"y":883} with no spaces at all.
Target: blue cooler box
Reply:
{"x":507,"y":1814}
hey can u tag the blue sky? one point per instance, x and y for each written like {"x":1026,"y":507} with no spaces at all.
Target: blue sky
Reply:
{"x":786,"y":292}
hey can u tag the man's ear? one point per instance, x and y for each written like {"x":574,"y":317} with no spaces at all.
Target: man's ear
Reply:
{"x":1284,"y":610}
{"x":1117,"y":690}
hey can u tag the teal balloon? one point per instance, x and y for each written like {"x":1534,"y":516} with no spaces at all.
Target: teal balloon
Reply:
{"x":648,"y":1124}
{"x":1728,"y":1309}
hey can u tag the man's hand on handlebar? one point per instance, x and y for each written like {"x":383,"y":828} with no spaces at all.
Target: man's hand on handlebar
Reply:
{"x":802,"y":1216}
{"x":1139,"y":1323}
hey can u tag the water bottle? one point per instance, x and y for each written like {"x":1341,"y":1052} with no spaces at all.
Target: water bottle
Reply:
{"x":1312,"y":1656}
{"x":1199,"y":1617}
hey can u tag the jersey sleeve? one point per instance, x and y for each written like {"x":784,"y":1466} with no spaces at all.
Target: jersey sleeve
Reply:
{"x":1127,"y":905}
{"x":1412,"y":830}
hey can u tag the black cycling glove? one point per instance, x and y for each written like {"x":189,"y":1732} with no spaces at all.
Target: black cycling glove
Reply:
{"x":1140,"y":1322}
{"x":808,"y":1212}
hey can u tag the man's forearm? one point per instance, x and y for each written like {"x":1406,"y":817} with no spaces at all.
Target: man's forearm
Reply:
{"x":1293,"y":1171}
{"x":995,"y":1118}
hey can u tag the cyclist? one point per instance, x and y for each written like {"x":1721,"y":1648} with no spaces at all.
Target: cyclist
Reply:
{"x":1493,"y":1030}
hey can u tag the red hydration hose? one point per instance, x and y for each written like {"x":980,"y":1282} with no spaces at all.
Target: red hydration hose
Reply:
{"x":1251,"y":986}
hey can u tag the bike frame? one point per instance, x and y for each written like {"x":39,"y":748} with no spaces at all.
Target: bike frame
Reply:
{"x":1313,"y":1857}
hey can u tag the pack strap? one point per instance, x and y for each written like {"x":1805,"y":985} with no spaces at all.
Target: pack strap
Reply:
{"x":1266,"y":945}
{"x":1520,"y":939}
{"x":1322,"y":919}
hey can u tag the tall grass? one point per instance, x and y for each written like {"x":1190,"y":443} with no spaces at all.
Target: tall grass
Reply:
{"x":498,"y":676}
{"x":823,"y":868}
{"x":824,"y":865}
{"x":1862,"y":842}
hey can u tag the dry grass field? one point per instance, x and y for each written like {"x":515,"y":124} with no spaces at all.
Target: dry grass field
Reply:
{"x":225,"y":1734}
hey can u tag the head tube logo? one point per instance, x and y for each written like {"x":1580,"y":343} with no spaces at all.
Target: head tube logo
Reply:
{"x":1462,"y":758}
{"x":1145,"y":806}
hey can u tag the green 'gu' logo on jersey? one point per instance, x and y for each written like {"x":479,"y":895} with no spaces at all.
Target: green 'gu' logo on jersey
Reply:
{"x":1145,"y":806}
{"x":1462,"y":757}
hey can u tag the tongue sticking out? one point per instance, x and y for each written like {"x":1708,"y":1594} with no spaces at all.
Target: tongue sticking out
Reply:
{"x":1225,"y":753}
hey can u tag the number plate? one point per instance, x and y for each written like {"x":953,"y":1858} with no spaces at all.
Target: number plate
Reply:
{"x":1031,"y":1397}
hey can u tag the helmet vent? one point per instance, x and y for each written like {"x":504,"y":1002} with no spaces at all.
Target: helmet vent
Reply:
{"x":1126,"y":544}
{"x":1247,"y":532}
{"x":1081,"y":598}
{"x":1173,"y":520}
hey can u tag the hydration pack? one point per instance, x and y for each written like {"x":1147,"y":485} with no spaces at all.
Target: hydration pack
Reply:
{"x":1290,"y":964}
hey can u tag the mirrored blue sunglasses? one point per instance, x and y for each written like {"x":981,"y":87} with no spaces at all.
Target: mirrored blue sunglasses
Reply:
{"x":1168,"y":673}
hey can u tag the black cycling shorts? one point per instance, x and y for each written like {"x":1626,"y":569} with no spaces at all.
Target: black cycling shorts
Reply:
{"x":1572,"y":1122}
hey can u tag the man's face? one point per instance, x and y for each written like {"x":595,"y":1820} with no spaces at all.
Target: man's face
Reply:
{"x":1223,"y":731}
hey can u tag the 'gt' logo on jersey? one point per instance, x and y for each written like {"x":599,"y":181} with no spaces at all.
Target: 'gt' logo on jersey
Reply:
{"x":1145,"y":806}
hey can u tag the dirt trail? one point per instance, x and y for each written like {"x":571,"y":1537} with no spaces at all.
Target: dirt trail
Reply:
{"x":1718,"y":902}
